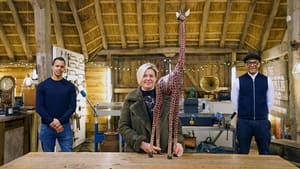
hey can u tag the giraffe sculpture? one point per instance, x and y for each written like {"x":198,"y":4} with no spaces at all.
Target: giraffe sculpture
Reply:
{"x":170,"y":84}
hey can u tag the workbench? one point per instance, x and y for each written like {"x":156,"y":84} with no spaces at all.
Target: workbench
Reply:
{"x":103,"y":160}
{"x":15,"y":134}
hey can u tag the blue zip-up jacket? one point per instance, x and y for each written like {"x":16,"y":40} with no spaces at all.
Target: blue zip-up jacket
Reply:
{"x":252,"y":102}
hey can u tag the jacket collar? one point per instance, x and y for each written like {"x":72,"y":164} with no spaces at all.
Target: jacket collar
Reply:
{"x":138,"y":108}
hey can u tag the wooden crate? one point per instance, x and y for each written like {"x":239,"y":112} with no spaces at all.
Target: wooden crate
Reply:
{"x":29,"y":96}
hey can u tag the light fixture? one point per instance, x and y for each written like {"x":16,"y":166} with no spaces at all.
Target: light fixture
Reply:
{"x":34,"y":75}
{"x":27,"y":81}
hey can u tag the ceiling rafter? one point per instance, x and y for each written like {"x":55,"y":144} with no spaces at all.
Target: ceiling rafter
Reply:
{"x":285,"y":36}
{"x":100,"y":23}
{"x":268,"y":25}
{"x":121,"y":23}
{"x":6,"y":44}
{"x":210,"y":25}
{"x":225,"y":23}
{"x":251,"y":10}
{"x":20,"y":30}
{"x":204,"y":22}
{"x":168,"y":50}
{"x":140,"y":23}
{"x":162,"y":22}
{"x":57,"y":25}
{"x":79,"y":29}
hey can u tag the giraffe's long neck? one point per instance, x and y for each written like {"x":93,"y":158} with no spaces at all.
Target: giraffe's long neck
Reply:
{"x":181,"y":57}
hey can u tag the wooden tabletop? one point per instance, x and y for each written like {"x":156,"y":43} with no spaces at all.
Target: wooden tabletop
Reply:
{"x":12,"y":117}
{"x":96,"y":160}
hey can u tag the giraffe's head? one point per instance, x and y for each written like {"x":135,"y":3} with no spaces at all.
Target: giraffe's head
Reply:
{"x":181,"y":14}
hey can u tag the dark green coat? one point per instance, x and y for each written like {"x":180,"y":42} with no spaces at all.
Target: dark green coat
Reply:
{"x":135,"y":124}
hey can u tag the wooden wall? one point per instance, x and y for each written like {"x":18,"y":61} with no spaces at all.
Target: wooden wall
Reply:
{"x":196,"y":67}
{"x":95,"y":86}
{"x":96,"y":89}
{"x":19,"y":72}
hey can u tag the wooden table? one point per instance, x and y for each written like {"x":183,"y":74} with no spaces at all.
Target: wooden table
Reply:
{"x":96,"y":160}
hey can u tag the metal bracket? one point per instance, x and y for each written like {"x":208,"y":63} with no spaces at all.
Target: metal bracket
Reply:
{"x":294,"y":45}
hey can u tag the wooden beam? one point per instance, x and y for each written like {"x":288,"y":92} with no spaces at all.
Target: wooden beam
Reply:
{"x":182,"y":4}
{"x":100,"y":23}
{"x":42,"y":20}
{"x":140,"y":23}
{"x":20,"y":30}
{"x":155,"y":51}
{"x":276,"y":52}
{"x":123,"y":90}
{"x":247,"y":22}
{"x":109,"y":60}
{"x":121,"y":23}
{"x":285,"y":36}
{"x":57,"y":25}
{"x":204,"y":21}
{"x":225,"y":23}
{"x":268,"y":25}
{"x":6,"y":44}
{"x":162,"y":23}
{"x":79,"y":29}
{"x":293,"y":10}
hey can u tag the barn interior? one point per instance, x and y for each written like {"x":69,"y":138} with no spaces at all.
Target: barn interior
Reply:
{"x":105,"y":42}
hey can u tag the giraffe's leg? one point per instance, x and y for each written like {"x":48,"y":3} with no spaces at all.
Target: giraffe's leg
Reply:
{"x":159,"y":96}
{"x":150,"y":154}
{"x":170,"y":133}
{"x":155,"y":120}
{"x":175,"y":123}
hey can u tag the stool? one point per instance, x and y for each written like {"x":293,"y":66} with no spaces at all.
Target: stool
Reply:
{"x":98,"y":137}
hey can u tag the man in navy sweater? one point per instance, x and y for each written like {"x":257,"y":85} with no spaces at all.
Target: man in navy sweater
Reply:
{"x":252,"y":96}
{"x":55,"y":103}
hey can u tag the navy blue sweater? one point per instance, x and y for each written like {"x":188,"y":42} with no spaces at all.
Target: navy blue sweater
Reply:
{"x":252,"y":103}
{"x":55,"y":99}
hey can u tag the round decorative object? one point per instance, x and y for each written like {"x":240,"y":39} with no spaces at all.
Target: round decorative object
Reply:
{"x":7,"y":83}
{"x":209,"y":83}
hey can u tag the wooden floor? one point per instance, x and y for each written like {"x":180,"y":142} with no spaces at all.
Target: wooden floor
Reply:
{"x":87,"y":146}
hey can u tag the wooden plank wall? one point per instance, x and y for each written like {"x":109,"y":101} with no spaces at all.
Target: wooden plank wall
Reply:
{"x":124,"y":72}
{"x":96,"y":86}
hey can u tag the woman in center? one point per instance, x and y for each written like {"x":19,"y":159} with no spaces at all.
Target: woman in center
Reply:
{"x":137,"y":115}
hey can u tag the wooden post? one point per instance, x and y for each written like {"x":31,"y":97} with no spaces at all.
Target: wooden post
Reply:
{"x":42,"y":17}
{"x":294,"y":34}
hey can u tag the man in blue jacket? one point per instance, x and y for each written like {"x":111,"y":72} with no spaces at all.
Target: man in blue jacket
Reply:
{"x":252,"y":97}
{"x":55,"y":103}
